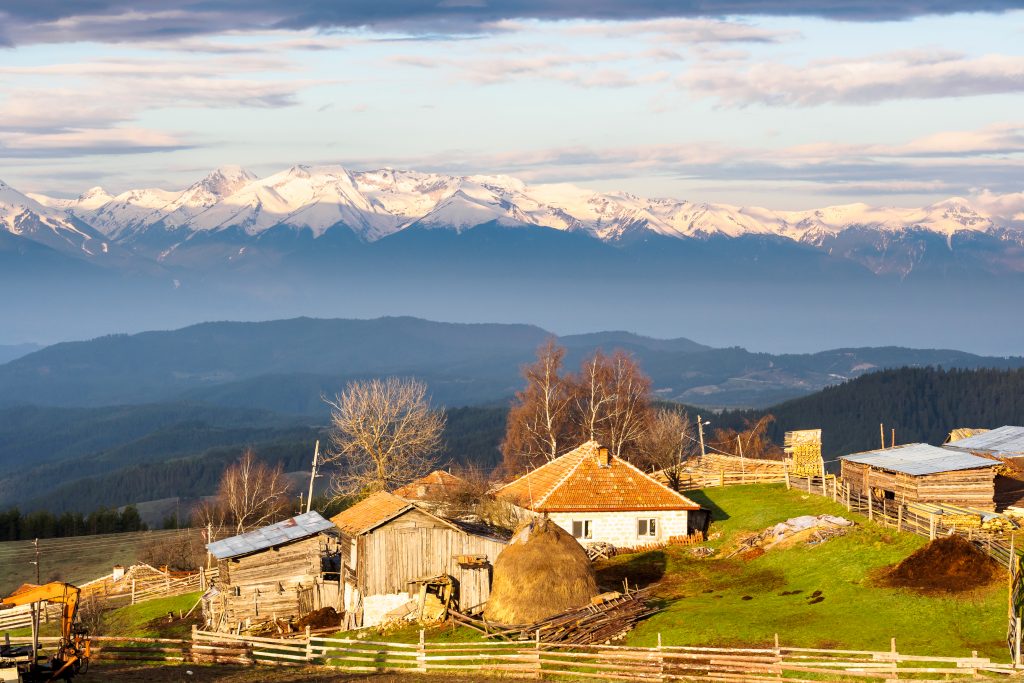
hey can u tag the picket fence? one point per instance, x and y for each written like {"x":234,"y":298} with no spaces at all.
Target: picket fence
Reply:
{"x":535,"y":659}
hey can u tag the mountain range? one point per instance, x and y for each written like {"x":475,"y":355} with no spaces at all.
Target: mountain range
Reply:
{"x":326,"y":242}
{"x":175,"y":227}
{"x":287,"y":366}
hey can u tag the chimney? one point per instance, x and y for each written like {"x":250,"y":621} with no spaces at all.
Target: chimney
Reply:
{"x":118,"y":572}
{"x":604,"y":458}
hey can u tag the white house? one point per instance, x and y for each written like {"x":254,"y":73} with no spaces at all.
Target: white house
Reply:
{"x":598,"y":497}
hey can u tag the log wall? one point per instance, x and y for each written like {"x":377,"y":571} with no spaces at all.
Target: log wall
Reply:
{"x":970,"y":488}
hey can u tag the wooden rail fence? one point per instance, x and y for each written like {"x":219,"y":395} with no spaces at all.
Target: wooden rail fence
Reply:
{"x":535,"y":659}
{"x":114,"y":648}
{"x":1001,"y":547}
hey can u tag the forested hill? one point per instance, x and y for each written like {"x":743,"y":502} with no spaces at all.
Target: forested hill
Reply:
{"x":921,"y":404}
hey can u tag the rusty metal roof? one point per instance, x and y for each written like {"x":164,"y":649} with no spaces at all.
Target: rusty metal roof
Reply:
{"x":293,"y":529}
{"x":919,"y":459}
{"x":1006,"y":441}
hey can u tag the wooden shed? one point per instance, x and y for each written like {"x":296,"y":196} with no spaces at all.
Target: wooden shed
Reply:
{"x":284,"y":570}
{"x":1004,"y":444}
{"x":919,"y":472}
{"x":391,"y":545}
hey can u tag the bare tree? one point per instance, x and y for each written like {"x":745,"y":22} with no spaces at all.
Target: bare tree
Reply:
{"x":384,"y":435}
{"x":538,"y":419}
{"x":612,"y":401}
{"x":666,"y":445}
{"x":251,"y":494}
{"x":752,"y":442}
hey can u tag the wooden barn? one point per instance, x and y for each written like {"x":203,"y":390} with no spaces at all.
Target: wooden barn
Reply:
{"x":1004,"y":444}
{"x":284,"y":570}
{"x":392,"y":547}
{"x":919,"y":472}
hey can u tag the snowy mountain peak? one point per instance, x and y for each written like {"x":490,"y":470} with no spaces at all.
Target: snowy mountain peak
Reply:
{"x":225,"y":180}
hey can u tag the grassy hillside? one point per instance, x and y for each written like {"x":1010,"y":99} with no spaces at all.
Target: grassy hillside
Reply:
{"x":75,"y":560}
{"x":732,"y":602}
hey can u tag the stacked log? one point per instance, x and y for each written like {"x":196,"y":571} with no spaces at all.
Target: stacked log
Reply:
{"x":609,"y":620}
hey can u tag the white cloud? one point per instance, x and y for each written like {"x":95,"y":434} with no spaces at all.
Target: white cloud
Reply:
{"x":866,"y":80}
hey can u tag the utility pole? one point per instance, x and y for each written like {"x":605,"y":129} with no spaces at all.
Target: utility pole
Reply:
{"x":312,"y":475}
{"x":700,"y":431}
{"x":36,"y":562}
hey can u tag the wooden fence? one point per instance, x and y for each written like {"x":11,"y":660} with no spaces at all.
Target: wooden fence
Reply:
{"x":535,"y":659}
{"x":1002,"y":547}
{"x":115,"y":648}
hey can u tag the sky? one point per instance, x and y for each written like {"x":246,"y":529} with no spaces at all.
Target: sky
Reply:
{"x":780,"y":103}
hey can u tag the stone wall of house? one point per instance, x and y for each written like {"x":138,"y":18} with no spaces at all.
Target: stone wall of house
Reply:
{"x":621,"y":528}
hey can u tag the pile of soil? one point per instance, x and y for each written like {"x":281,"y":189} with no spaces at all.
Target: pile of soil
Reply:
{"x":321,"y":618}
{"x":948,"y":565}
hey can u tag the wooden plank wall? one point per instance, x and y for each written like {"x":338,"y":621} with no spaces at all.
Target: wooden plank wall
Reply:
{"x":971,"y":488}
{"x":282,"y":581}
{"x":416,"y":545}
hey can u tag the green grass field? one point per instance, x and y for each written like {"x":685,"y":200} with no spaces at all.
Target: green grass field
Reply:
{"x":738,"y":602}
{"x":78,"y":559}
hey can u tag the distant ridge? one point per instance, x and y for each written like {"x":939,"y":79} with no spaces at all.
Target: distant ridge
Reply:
{"x":285,"y":365}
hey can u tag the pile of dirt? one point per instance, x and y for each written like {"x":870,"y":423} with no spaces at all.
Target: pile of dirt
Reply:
{"x":949,"y":565}
{"x":321,"y":618}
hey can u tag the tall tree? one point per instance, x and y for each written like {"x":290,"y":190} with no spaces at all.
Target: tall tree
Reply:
{"x":384,"y":435}
{"x":251,"y":494}
{"x":611,"y":402}
{"x":539,"y":418}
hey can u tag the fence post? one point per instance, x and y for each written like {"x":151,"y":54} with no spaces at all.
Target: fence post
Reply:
{"x":661,"y":660}
{"x":421,"y":653}
{"x":899,"y":517}
{"x":309,"y":645}
{"x":536,"y":650}
{"x":931,"y":527}
{"x":895,"y":659}
{"x":133,"y":591}
{"x":786,"y":466}
{"x":871,"y":507}
{"x":778,"y":657}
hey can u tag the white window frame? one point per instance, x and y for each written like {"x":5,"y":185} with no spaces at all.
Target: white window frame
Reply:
{"x":586,"y":529}
{"x":653,"y":526}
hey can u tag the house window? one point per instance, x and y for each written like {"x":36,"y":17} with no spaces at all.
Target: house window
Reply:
{"x":646,"y":527}
{"x":581,"y":528}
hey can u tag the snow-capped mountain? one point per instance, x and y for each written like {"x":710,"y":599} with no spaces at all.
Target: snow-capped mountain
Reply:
{"x":23,"y":216}
{"x":373,"y":205}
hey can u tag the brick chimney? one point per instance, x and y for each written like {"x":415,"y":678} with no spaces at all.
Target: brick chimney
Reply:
{"x":604,"y":458}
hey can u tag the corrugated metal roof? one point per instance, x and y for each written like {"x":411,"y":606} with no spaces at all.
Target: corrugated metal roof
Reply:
{"x":1007,"y":440}
{"x":294,"y":529}
{"x":919,"y":458}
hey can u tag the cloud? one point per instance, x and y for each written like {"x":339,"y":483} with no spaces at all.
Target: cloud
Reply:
{"x":51,"y":21}
{"x":991,"y":157}
{"x":117,"y":140}
{"x":69,"y":118}
{"x":588,"y":71}
{"x":900,"y":75}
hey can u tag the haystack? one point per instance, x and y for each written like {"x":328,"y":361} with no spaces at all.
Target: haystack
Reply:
{"x":542,"y":572}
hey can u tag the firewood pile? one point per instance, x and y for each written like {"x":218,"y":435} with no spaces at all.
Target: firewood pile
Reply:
{"x":610,"y":617}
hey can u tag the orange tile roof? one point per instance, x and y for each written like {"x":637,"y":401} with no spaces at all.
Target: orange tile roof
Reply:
{"x":578,"y":481}
{"x":369,"y":513}
{"x":433,"y":485}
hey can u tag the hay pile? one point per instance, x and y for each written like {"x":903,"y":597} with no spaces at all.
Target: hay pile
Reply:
{"x":542,"y":572}
{"x":948,"y":565}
